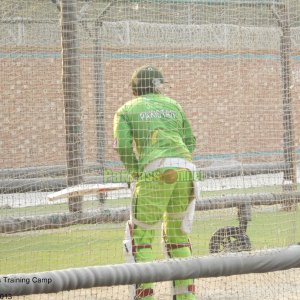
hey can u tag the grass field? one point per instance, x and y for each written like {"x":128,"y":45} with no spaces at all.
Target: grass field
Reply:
{"x":100,"y":244}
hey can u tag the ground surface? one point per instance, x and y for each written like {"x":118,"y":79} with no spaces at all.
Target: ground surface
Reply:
{"x":283,"y":285}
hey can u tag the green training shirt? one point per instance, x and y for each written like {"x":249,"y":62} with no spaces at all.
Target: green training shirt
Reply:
{"x":149,"y":127}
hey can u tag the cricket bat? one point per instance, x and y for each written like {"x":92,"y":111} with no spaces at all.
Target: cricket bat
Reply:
{"x":86,"y":189}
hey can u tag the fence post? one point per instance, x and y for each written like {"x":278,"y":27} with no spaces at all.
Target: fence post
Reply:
{"x":99,"y":94}
{"x":72,"y":99}
{"x":290,"y":172}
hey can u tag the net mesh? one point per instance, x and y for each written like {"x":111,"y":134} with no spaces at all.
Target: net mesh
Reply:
{"x":233,"y":66}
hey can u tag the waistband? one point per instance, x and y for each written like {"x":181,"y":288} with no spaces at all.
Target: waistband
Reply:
{"x":170,"y":162}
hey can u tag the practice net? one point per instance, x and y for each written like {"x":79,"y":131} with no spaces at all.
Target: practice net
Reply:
{"x":66,"y":67}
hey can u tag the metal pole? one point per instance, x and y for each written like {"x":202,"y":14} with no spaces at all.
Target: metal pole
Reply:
{"x":290,"y":172}
{"x":72,"y":99}
{"x":281,"y":14}
{"x":99,"y":102}
{"x":99,"y":95}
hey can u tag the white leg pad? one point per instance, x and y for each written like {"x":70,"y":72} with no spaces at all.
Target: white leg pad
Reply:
{"x":127,"y":243}
{"x":187,"y":221}
{"x":188,"y":218}
{"x":129,"y":258}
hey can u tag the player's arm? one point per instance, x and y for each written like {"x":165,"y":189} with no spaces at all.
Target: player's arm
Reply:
{"x":123,"y":143}
{"x":188,"y":137}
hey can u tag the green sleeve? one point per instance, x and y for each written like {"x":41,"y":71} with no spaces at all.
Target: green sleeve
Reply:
{"x":123,"y":143}
{"x":188,"y":136}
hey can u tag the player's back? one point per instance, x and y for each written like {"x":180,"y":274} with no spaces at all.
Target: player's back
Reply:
{"x":157,"y":124}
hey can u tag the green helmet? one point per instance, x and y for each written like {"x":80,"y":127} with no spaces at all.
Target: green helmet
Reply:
{"x":146,"y":80}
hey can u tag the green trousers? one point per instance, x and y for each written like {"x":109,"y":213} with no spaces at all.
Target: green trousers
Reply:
{"x":162,"y":195}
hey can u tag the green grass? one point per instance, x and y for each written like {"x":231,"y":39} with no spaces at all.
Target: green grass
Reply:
{"x":75,"y":246}
{"x":100,"y":244}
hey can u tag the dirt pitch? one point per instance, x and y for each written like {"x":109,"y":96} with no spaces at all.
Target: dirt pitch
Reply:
{"x":281,"y":285}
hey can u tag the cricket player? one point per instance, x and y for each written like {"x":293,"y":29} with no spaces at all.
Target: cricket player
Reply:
{"x":155,"y":142}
